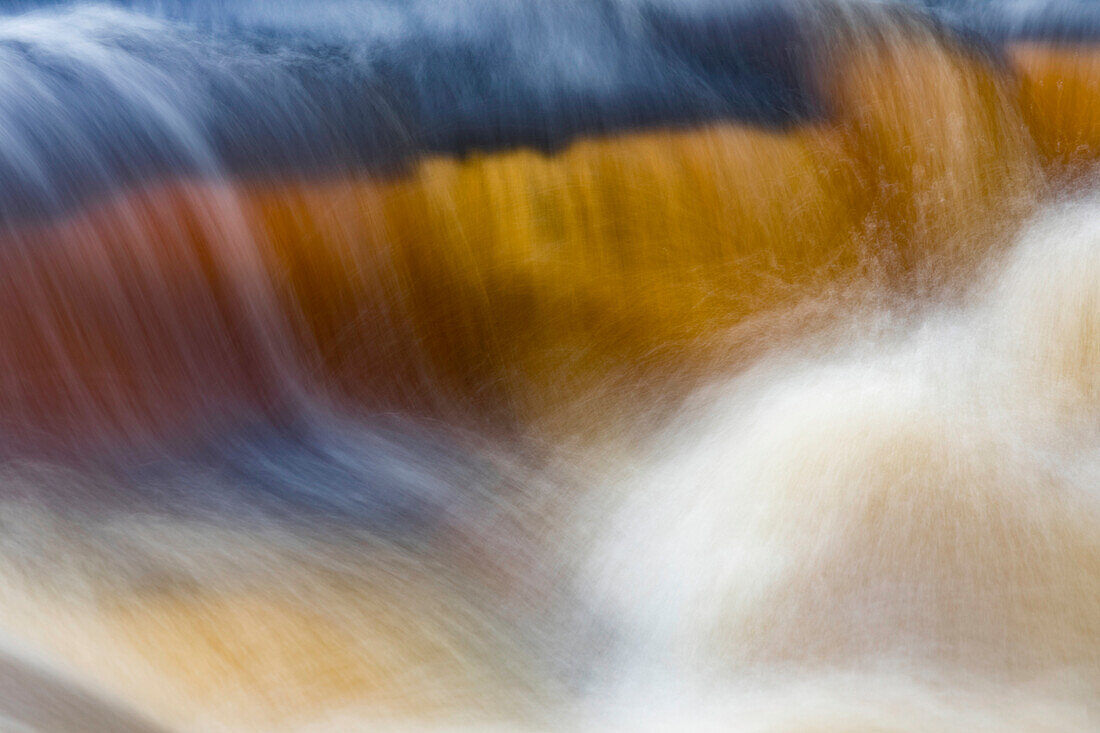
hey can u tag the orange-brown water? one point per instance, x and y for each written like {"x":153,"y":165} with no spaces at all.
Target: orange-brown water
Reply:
{"x":757,"y":428}
{"x":515,"y":282}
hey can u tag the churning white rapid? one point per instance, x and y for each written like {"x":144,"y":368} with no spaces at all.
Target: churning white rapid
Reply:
{"x":899,"y":530}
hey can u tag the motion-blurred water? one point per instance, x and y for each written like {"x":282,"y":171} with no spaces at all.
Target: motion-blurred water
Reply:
{"x":614,"y":364}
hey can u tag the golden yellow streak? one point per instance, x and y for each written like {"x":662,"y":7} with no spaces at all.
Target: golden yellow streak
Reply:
{"x":528,"y":279}
{"x":513,"y":284}
{"x":1060,"y":91}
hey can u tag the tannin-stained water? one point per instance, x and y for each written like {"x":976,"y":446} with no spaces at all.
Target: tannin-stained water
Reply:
{"x":515,"y":366}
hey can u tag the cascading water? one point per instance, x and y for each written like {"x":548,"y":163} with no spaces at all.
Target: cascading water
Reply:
{"x":610,"y":365}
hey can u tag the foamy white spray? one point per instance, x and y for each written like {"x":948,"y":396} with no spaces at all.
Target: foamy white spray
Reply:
{"x":901,"y":532}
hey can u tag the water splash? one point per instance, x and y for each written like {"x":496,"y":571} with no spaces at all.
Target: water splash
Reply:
{"x":613,"y":365}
